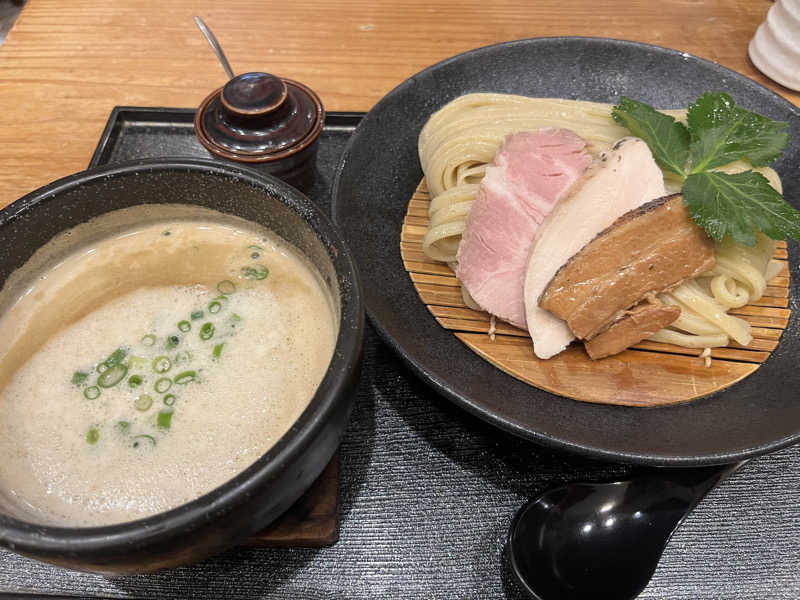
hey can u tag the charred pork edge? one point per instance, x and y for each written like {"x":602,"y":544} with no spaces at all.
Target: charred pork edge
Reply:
{"x":631,"y":214}
{"x":629,"y":314}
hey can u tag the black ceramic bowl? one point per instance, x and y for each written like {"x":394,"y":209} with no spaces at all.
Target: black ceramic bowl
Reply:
{"x":380,"y":170}
{"x":257,"y":496}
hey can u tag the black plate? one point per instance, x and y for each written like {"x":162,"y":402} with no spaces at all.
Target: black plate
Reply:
{"x":380,"y":171}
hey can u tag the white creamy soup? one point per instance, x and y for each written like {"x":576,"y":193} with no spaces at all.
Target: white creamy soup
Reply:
{"x":149,"y":367}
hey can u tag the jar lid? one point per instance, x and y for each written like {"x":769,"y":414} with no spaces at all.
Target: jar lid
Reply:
{"x":258,"y":117}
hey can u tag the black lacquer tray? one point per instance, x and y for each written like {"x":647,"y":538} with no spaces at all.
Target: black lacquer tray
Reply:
{"x":427,"y":491}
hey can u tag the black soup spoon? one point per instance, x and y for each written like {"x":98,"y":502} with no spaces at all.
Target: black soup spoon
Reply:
{"x":603,"y":540}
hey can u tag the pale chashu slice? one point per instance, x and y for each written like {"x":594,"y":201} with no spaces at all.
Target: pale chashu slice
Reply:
{"x":625,"y":178}
{"x":651,"y":248}
{"x":531,"y":171}
{"x":638,"y":324}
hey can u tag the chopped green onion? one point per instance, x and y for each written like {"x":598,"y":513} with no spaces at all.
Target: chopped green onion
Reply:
{"x":164,"y":419}
{"x":184,"y":326}
{"x":214,"y":307}
{"x":258,"y":271}
{"x":116,"y":357}
{"x":256,"y":251}
{"x":101,"y":367}
{"x":207,"y":331}
{"x":254,"y":247}
{"x":162,"y":364}
{"x":123,"y":426}
{"x":91,"y":392}
{"x":163,"y":385}
{"x":112,"y":376}
{"x":235,"y":317}
{"x":169,"y":399}
{"x":135,"y":381}
{"x":92,"y":435}
{"x":173,"y":341}
{"x":143,"y":402}
{"x":149,"y":340}
{"x":183,"y":355}
{"x":185,"y":377}
{"x":226,"y":286}
{"x":137,"y":362}
{"x":197,"y":314}
{"x":139,"y":439}
{"x":218,"y":351}
{"x":78,"y":377}
{"x":255,"y":255}
{"x":166,"y":232}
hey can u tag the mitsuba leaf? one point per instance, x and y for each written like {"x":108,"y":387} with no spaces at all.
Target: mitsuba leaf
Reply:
{"x":736,"y":204}
{"x":722,"y":132}
{"x":667,"y":138}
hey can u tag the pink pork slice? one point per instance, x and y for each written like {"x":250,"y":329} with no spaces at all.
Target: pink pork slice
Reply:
{"x":531,"y":171}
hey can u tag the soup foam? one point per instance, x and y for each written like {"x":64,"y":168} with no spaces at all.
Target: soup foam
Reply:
{"x":189,"y":410}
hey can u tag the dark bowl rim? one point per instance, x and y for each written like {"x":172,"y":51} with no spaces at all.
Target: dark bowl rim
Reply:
{"x":442,"y":387}
{"x":43,"y":539}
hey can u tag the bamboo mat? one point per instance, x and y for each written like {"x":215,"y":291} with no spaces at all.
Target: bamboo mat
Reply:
{"x":647,"y":374}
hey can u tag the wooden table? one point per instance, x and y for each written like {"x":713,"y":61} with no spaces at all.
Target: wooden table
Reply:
{"x":65,"y":65}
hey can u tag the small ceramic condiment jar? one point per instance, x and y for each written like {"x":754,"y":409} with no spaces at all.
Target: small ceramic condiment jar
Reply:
{"x":775,"y":48}
{"x":261,"y":118}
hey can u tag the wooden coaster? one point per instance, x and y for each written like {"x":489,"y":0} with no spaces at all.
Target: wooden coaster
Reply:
{"x":648,"y":374}
{"x":312,"y":521}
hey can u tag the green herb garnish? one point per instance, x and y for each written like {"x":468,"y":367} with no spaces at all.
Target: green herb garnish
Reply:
{"x":162,"y":385}
{"x":92,"y":392}
{"x":185,"y":377}
{"x":182,"y":356}
{"x":184,"y":326}
{"x":161,"y":364}
{"x":138,"y":440}
{"x":226,"y":287}
{"x":149,"y":340}
{"x":116,"y":357}
{"x":112,"y":376}
{"x":169,"y":399}
{"x":207,"y":331}
{"x":255,"y":272}
{"x":137,"y":362}
{"x":164,"y":419}
{"x":93,"y":435}
{"x":217,"y":352}
{"x":79,"y":377}
{"x":197,"y":314}
{"x":123,"y":426}
{"x":717,"y":133}
{"x":143,"y":402}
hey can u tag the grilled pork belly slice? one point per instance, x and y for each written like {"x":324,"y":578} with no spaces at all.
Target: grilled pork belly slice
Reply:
{"x":532,"y":170}
{"x":636,"y":325}
{"x":625,"y":178}
{"x":650,"y":249}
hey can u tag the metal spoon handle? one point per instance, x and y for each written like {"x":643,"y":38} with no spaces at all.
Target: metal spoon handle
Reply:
{"x":214,"y":46}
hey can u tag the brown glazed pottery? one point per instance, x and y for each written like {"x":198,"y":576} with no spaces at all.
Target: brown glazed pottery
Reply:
{"x":261,"y":118}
